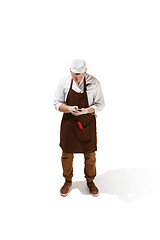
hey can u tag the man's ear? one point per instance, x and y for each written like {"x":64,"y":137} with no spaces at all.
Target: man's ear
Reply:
{"x":86,"y":69}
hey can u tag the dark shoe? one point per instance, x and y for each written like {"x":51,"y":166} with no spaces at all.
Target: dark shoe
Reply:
{"x":93,"y":189}
{"x":65,"y":188}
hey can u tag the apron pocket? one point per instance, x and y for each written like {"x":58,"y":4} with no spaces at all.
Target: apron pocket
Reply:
{"x":83,"y":134}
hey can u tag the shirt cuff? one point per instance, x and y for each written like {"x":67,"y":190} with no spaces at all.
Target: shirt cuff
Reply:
{"x":58,"y":105}
{"x":95,"y":110}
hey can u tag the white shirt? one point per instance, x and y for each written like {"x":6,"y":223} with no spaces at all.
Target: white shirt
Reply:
{"x":93,"y":89}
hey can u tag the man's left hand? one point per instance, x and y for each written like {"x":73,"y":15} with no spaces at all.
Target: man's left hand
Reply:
{"x":83,"y":111}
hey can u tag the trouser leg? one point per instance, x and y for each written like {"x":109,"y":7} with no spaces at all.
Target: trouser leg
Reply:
{"x":90,"y":166}
{"x":67,"y":165}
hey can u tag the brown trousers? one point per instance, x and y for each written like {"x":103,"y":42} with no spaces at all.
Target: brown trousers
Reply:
{"x":89,"y":165}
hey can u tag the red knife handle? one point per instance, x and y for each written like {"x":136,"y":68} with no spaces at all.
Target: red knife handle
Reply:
{"x":80,"y":125}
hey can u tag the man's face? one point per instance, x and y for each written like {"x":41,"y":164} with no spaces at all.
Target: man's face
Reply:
{"x":78,"y":77}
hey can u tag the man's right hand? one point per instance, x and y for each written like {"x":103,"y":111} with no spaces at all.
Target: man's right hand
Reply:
{"x":73,"y":110}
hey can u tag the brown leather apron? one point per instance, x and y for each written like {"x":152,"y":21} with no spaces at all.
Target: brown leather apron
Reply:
{"x":72,"y":138}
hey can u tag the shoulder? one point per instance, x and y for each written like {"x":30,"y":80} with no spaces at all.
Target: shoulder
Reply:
{"x":91,"y":79}
{"x":65,"y":80}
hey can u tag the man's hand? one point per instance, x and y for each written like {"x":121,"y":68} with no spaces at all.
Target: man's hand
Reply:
{"x":73,"y":110}
{"x":81,"y":111}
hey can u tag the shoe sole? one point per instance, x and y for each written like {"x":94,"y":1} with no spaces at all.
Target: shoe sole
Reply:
{"x":94,"y":195}
{"x":64,"y":195}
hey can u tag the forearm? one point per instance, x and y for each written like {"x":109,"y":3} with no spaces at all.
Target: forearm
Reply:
{"x":64,"y":108}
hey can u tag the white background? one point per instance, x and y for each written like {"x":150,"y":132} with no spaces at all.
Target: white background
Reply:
{"x":120,"y":42}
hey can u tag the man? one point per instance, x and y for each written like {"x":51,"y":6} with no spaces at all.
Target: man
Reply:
{"x":79,"y":96}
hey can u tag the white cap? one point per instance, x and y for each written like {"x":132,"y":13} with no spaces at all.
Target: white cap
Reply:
{"x":78,"y":66}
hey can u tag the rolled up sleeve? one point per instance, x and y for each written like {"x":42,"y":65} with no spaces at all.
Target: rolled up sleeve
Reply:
{"x":59,"y":97}
{"x":99,"y":102}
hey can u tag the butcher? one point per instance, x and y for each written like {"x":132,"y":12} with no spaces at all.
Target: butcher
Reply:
{"x":79,"y":96}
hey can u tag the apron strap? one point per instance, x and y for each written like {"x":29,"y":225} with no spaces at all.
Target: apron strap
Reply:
{"x":84,"y":84}
{"x":71,"y":83}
